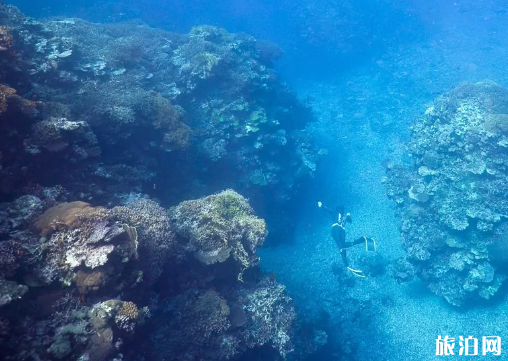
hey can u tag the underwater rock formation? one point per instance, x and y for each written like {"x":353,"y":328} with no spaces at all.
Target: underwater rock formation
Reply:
{"x":453,"y":197}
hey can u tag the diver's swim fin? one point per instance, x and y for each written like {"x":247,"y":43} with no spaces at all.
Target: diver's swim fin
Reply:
{"x":370,"y":245}
{"x":356,"y":272}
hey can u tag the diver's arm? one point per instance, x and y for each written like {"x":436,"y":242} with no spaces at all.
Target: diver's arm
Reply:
{"x":328,"y":210}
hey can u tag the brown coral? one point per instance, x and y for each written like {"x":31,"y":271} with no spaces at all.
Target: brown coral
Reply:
{"x":6,"y":39}
{"x":165,"y":116}
{"x":155,"y":236}
{"x":132,"y":233}
{"x":90,"y":281}
{"x":177,"y":138}
{"x":8,"y":95}
{"x":5,"y":93}
{"x":55,"y":134}
{"x":49,"y":136}
{"x":100,"y":346}
{"x":211,"y":314}
{"x":67,"y":216}
{"x":128,"y":310}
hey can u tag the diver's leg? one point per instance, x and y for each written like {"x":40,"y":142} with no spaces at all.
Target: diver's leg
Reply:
{"x":370,"y":243}
{"x":360,"y":240}
{"x":344,"y":257}
{"x":354,"y":243}
{"x":356,"y":272}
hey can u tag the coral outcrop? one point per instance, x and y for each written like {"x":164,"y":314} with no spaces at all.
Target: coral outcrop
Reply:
{"x":453,"y":196}
{"x":220,"y":226}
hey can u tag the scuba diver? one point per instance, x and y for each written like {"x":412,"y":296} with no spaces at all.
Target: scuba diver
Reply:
{"x":339,"y":219}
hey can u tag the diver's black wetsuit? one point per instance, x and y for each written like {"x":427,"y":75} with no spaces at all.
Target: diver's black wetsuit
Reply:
{"x":339,"y":231}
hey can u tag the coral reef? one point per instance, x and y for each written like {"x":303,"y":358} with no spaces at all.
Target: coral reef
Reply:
{"x":120,"y":105}
{"x":75,"y":259}
{"x":77,"y":234}
{"x":65,"y":256}
{"x":219,"y":226}
{"x":10,"y":291}
{"x":230,"y":308}
{"x":146,"y":92}
{"x":224,"y":325}
{"x":16,"y":116}
{"x":453,"y":196}
{"x":269,"y":315}
{"x":153,"y":234}
{"x":107,"y":130}
{"x":56,"y":134}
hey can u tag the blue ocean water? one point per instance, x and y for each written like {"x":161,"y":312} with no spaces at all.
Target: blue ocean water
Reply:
{"x":368,"y":70}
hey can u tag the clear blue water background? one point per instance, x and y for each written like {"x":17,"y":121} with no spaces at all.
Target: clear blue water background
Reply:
{"x":361,"y":63}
